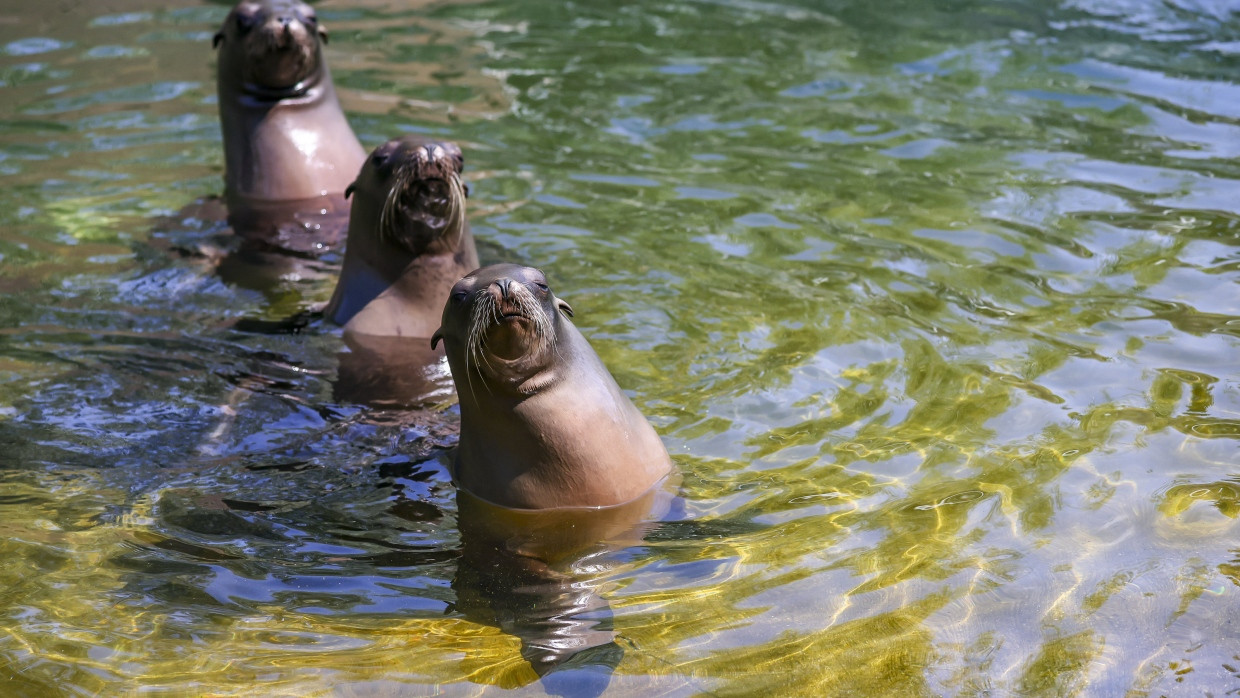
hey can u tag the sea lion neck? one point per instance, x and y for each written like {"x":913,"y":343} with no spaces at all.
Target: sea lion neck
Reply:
{"x":541,"y":382}
{"x":512,"y":387}
{"x":305,"y":92}
{"x":519,"y":381}
{"x":399,"y":266}
{"x":286,"y":149}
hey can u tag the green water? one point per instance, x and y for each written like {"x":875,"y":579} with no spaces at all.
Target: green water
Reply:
{"x":936,"y":306}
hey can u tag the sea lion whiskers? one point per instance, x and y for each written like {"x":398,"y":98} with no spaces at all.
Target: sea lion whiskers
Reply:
{"x":469,"y":375}
{"x":388,"y":214}
{"x":487,"y":312}
{"x":407,"y":174}
{"x":484,"y":312}
{"x":456,"y":208}
{"x":475,"y":343}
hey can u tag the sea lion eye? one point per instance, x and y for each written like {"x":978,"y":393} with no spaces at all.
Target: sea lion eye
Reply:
{"x":542,"y":287}
{"x":459,"y":296}
{"x":245,"y":22}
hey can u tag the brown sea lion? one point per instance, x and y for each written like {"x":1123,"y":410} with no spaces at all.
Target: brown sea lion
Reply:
{"x":408,"y":243}
{"x":408,"y":240}
{"x":543,"y":424}
{"x":289,"y":152}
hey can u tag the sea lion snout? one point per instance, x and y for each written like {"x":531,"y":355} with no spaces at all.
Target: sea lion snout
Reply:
{"x":509,"y":299}
{"x":271,"y":47}
{"x":423,"y":198}
{"x":514,"y":303}
{"x":502,"y":319}
{"x":433,"y":160}
{"x":509,"y":323}
{"x":285,"y":30}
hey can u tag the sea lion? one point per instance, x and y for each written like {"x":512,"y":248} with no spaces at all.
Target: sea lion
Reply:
{"x":408,"y":240}
{"x":408,"y":243}
{"x":543,"y":424}
{"x":289,"y":152}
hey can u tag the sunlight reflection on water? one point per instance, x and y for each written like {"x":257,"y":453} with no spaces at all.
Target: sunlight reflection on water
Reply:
{"x":935,"y":307}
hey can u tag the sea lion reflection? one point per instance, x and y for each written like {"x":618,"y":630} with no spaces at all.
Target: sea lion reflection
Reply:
{"x":524,"y":571}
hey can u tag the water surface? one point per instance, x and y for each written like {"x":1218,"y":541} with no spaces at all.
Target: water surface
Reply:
{"x":936,"y":308}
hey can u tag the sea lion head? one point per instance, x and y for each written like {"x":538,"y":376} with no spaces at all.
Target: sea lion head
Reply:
{"x":502,"y":323}
{"x":414,"y":184}
{"x":271,"y":48}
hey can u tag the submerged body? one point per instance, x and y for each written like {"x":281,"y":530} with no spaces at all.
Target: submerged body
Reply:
{"x":543,"y":423}
{"x":540,"y":575}
{"x":288,"y":150}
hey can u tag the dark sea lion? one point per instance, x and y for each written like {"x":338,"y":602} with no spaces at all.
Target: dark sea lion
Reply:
{"x":543,"y":424}
{"x":289,"y":152}
{"x":408,"y":244}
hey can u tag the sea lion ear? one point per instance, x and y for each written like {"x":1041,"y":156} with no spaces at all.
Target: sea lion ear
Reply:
{"x":217,"y":40}
{"x":348,"y":191}
{"x":564,"y":306}
{"x":436,"y":337}
{"x":323,"y":35}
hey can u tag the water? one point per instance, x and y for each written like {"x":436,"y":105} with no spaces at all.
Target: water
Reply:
{"x":937,"y":309}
